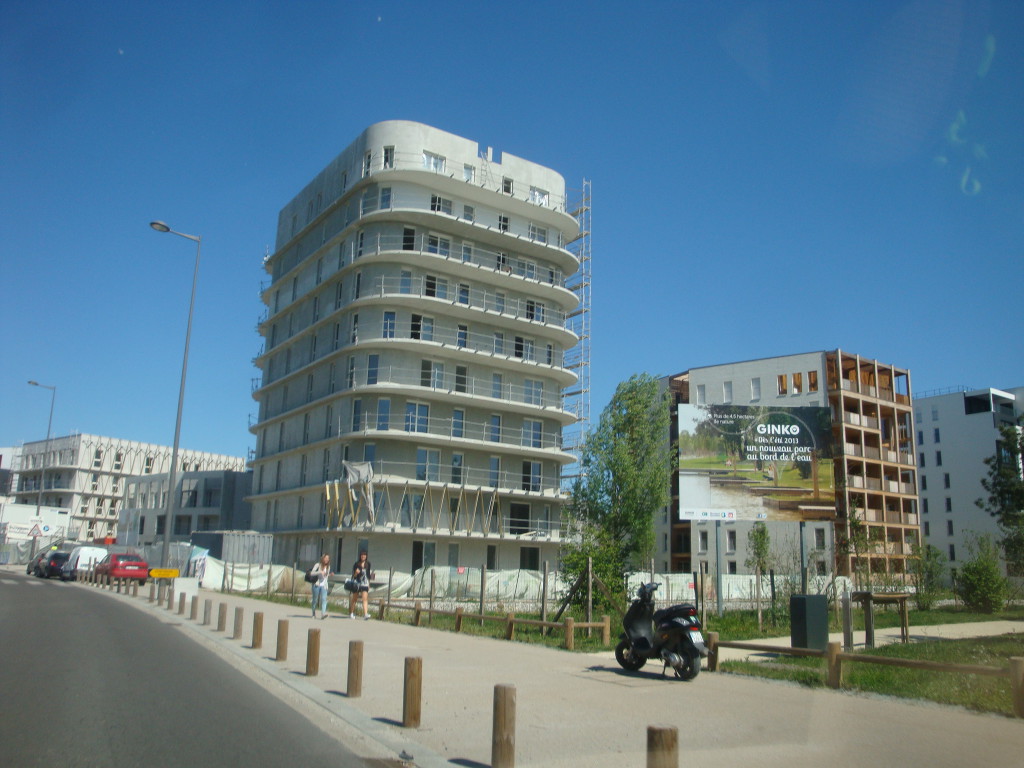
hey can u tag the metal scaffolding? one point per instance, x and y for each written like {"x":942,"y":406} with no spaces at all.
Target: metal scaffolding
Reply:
{"x":576,"y":398}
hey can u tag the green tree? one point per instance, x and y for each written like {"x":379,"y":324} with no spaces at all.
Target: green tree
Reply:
{"x":1005,"y":501}
{"x":981,"y":584}
{"x":926,"y":569}
{"x":759,"y":545}
{"x":626,"y":465}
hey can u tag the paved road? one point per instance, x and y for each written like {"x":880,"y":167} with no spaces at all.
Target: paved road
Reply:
{"x":89,"y":681}
{"x":582,"y":710}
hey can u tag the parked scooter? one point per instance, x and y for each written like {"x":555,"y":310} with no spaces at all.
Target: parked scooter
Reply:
{"x":671,"y":634}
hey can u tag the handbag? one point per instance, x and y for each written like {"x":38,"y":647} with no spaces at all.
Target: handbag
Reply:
{"x":311,"y":577}
{"x":351,"y":585}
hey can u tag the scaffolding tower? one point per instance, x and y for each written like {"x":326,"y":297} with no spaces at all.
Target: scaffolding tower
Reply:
{"x":576,"y":398}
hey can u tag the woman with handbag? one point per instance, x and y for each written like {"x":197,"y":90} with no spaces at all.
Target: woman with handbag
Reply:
{"x":361,"y":573}
{"x":322,"y":570}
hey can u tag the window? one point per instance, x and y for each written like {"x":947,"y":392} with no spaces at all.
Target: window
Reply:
{"x":755,"y":389}
{"x":927,"y":530}
{"x":436,"y":286}
{"x":367,"y":160}
{"x":783,"y":386}
{"x":462,"y":336}
{"x":533,"y":391}
{"x":458,"y":422}
{"x":701,"y":398}
{"x":433,"y":162}
{"x":726,"y":391}
{"x":350,"y":373}
{"x":385,"y":198}
{"x":952,"y":552}
{"x":540,"y":234}
{"x":945,"y":480}
{"x":357,"y":415}
{"x":461,"y":378}
{"x":920,"y":459}
{"x":538,"y":196}
{"x":372,"y":368}
{"x":496,"y":385}
{"x":469,"y":173}
{"x":936,"y":434}
{"x":499,"y":302}
{"x":494,"y":471}
{"x":533,"y":431}
{"x":730,"y":541}
{"x":529,"y":558}
{"x":502,"y":222}
{"x":389,"y":157}
{"x":924,"y":483}
{"x":457,"y":462}
{"x":469,"y":213}
{"x":422,"y":328}
{"x":702,"y":541}
{"x":938,"y":458}
{"x":920,"y":437}
{"x":97,"y":458}
{"x":949,"y":504}
{"x":499,"y":343}
{"x":353,"y":336}
{"x":416,"y":417}
{"x":463,"y":293}
{"x":730,"y":566}
{"x":924,"y":506}
{"x":467,"y":251}
{"x":506,"y":185}
{"x":384,"y":414}
{"x":428,"y":464}
{"x":534,"y":310}
{"x":439,"y":245}
{"x":949,"y":527}
{"x":388,"y":327}
{"x":440,"y":204}
{"x":819,"y":538}
{"x":935,"y":413}
{"x":408,"y":239}
{"x":531,"y":476}
{"x":494,"y":428}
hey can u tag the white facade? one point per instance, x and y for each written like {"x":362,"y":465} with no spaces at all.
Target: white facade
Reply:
{"x":956,"y":432}
{"x":417,"y":325}
{"x":87,"y":474}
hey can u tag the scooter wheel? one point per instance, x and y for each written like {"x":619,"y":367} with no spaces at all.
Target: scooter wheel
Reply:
{"x":626,"y":658}
{"x":691,"y":669}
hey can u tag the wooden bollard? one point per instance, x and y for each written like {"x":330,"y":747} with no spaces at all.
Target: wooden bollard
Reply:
{"x":135,"y":588}
{"x":662,"y":746}
{"x":570,"y":633}
{"x":117,"y":584}
{"x":416,"y":616}
{"x":503,"y":732}
{"x":207,"y":611}
{"x":181,"y":603}
{"x":222,"y":617}
{"x":152,"y":591}
{"x":237,"y":633}
{"x":193,"y":613}
{"x":413,"y":692}
{"x":257,"y":629}
{"x":834,"y":676}
{"x":510,"y":626}
{"x":282,"y":640}
{"x":458,"y":619}
{"x":1017,"y":684}
{"x":606,"y":630}
{"x":313,"y":653}
{"x":170,"y":596}
{"x":712,"y":651}
{"x":355,"y":669}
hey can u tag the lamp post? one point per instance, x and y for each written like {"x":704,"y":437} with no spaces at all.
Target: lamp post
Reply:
{"x":159,"y":226}
{"x":46,"y":453}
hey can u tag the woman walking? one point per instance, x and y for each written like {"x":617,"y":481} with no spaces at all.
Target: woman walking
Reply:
{"x":322,"y":570}
{"x":361,"y":572}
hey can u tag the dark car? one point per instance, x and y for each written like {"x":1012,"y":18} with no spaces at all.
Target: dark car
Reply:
{"x":34,"y":562}
{"x":122,"y":565}
{"x":51,"y":564}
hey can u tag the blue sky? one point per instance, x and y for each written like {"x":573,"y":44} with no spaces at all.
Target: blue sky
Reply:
{"x":768,"y":178}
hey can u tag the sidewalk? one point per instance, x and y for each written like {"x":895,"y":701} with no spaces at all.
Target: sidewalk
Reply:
{"x":581,"y":709}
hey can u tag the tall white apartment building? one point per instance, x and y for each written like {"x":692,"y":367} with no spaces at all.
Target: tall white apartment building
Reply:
{"x":956,"y":431}
{"x":417,"y":347}
{"x":87,"y":475}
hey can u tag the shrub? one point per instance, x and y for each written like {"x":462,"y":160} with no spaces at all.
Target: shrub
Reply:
{"x":981,"y":584}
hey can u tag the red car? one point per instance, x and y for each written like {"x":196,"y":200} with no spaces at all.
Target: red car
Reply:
{"x":123,"y":566}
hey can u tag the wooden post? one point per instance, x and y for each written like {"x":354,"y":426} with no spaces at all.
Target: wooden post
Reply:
{"x":194,"y":612}
{"x":294,"y":569}
{"x":181,"y":603}
{"x":270,"y":573}
{"x":606,"y":630}
{"x":712,"y":651}
{"x":483,"y":590}
{"x":413,"y":692}
{"x":391,"y":578}
{"x":433,"y":591}
{"x":544,"y":599}
{"x":570,"y":633}
{"x":1017,"y":684}
{"x":503,"y":731}
{"x":662,"y":746}
{"x":355,"y":669}
{"x":510,"y":626}
{"x":590,"y":593}
{"x":834,"y":678}
{"x":458,"y":619}
{"x":847,"y":607}
{"x":282,"y":640}
{"x":416,"y":613}
{"x":207,"y":610}
{"x":313,"y":653}
{"x":237,"y":634}
{"x":257,"y":629}
{"x":869,"y":622}
{"x":222,"y":617}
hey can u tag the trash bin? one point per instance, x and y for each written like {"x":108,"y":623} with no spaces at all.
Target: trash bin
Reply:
{"x":808,"y":622}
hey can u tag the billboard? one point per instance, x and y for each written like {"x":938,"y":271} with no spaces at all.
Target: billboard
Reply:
{"x":739,"y":462}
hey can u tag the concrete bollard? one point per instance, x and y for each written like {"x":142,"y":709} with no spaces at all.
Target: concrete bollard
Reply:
{"x":662,"y":746}
{"x":313,"y":653}
{"x":237,"y":633}
{"x":135,"y":588}
{"x":207,"y":611}
{"x":412,"y":695}
{"x":257,"y":630}
{"x":503,"y":731}
{"x":181,"y":603}
{"x":355,"y":669}
{"x":170,"y":596}
{"x":194,"y":611}
{"x":282,"y":640}
{"x":222,"y":617}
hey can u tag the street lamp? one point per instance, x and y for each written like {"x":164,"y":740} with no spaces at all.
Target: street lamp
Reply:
{"x":159,"y":226}
{"x":46,"y":453}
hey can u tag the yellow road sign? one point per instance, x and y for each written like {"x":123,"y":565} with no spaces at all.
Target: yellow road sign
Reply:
{"x":164,"y":573}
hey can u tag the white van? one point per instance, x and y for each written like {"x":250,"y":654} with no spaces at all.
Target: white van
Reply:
{"x":81,"y":557}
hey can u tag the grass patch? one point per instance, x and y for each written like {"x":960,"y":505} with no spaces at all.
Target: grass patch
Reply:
{"x":975,"y":692}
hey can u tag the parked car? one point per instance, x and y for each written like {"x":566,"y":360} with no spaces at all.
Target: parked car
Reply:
{"x":51,"y":564}
{"x":81,"y":557}
{"x":122,"y":565}
{"x":33,"y":564}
